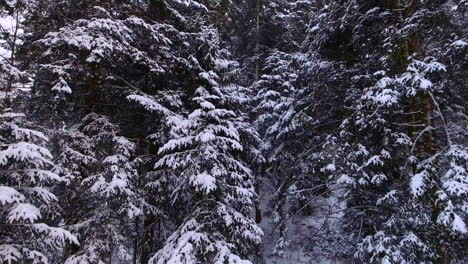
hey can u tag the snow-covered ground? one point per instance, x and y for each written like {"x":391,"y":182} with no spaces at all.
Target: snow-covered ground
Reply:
{"x":301,"y":229}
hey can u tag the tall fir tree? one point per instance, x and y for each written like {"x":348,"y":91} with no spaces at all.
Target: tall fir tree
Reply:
{"x":210,"y":179}
{"x":28,"y":207}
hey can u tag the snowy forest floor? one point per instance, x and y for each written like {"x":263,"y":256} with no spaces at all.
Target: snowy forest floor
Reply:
{"x":306,"y":235}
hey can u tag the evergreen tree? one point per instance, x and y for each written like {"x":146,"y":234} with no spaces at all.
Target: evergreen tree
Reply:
{"x":101,"y":200}
{"x":389,"y":144}
{"x":211,"y":181}
{"x":28,"y":211}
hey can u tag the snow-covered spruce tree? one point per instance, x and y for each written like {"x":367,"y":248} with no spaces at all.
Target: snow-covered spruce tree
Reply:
{"x":28,"y":208}
{"x":274,"y":100}
{"x":275,"y":89}
{"x":414,"y":210}
{"x":93,"y":63}
{"x":386,"y":115}
{"x":115,"y":60}
{"x":396,"y":146}
{"x":98,"y":164}
{"x":27,"y":217}
{"x":272,"y":53}
{"x":378,"y":205}
{"x":211,"y":182}
{"x":295,"y":110}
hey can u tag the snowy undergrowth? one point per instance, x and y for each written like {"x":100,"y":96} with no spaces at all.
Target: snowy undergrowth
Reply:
{"x":301,"y":248}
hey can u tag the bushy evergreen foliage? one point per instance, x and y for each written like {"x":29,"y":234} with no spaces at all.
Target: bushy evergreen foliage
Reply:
{"x":229,"y":132}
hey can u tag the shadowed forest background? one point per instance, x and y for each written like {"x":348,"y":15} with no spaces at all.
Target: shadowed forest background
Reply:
{"x":233,"y":132}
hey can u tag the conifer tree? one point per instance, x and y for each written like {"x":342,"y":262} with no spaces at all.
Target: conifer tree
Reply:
{"x":211,"y":181}
{"x":28,"y":224}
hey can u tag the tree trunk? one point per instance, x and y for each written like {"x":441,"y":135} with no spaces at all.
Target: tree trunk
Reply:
{"x":135,"y":242}
{"x":12,"y":44}
{"x":257,"y":41}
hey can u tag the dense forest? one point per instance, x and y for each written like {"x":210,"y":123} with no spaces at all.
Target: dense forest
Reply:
{"x":233,"y":132}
